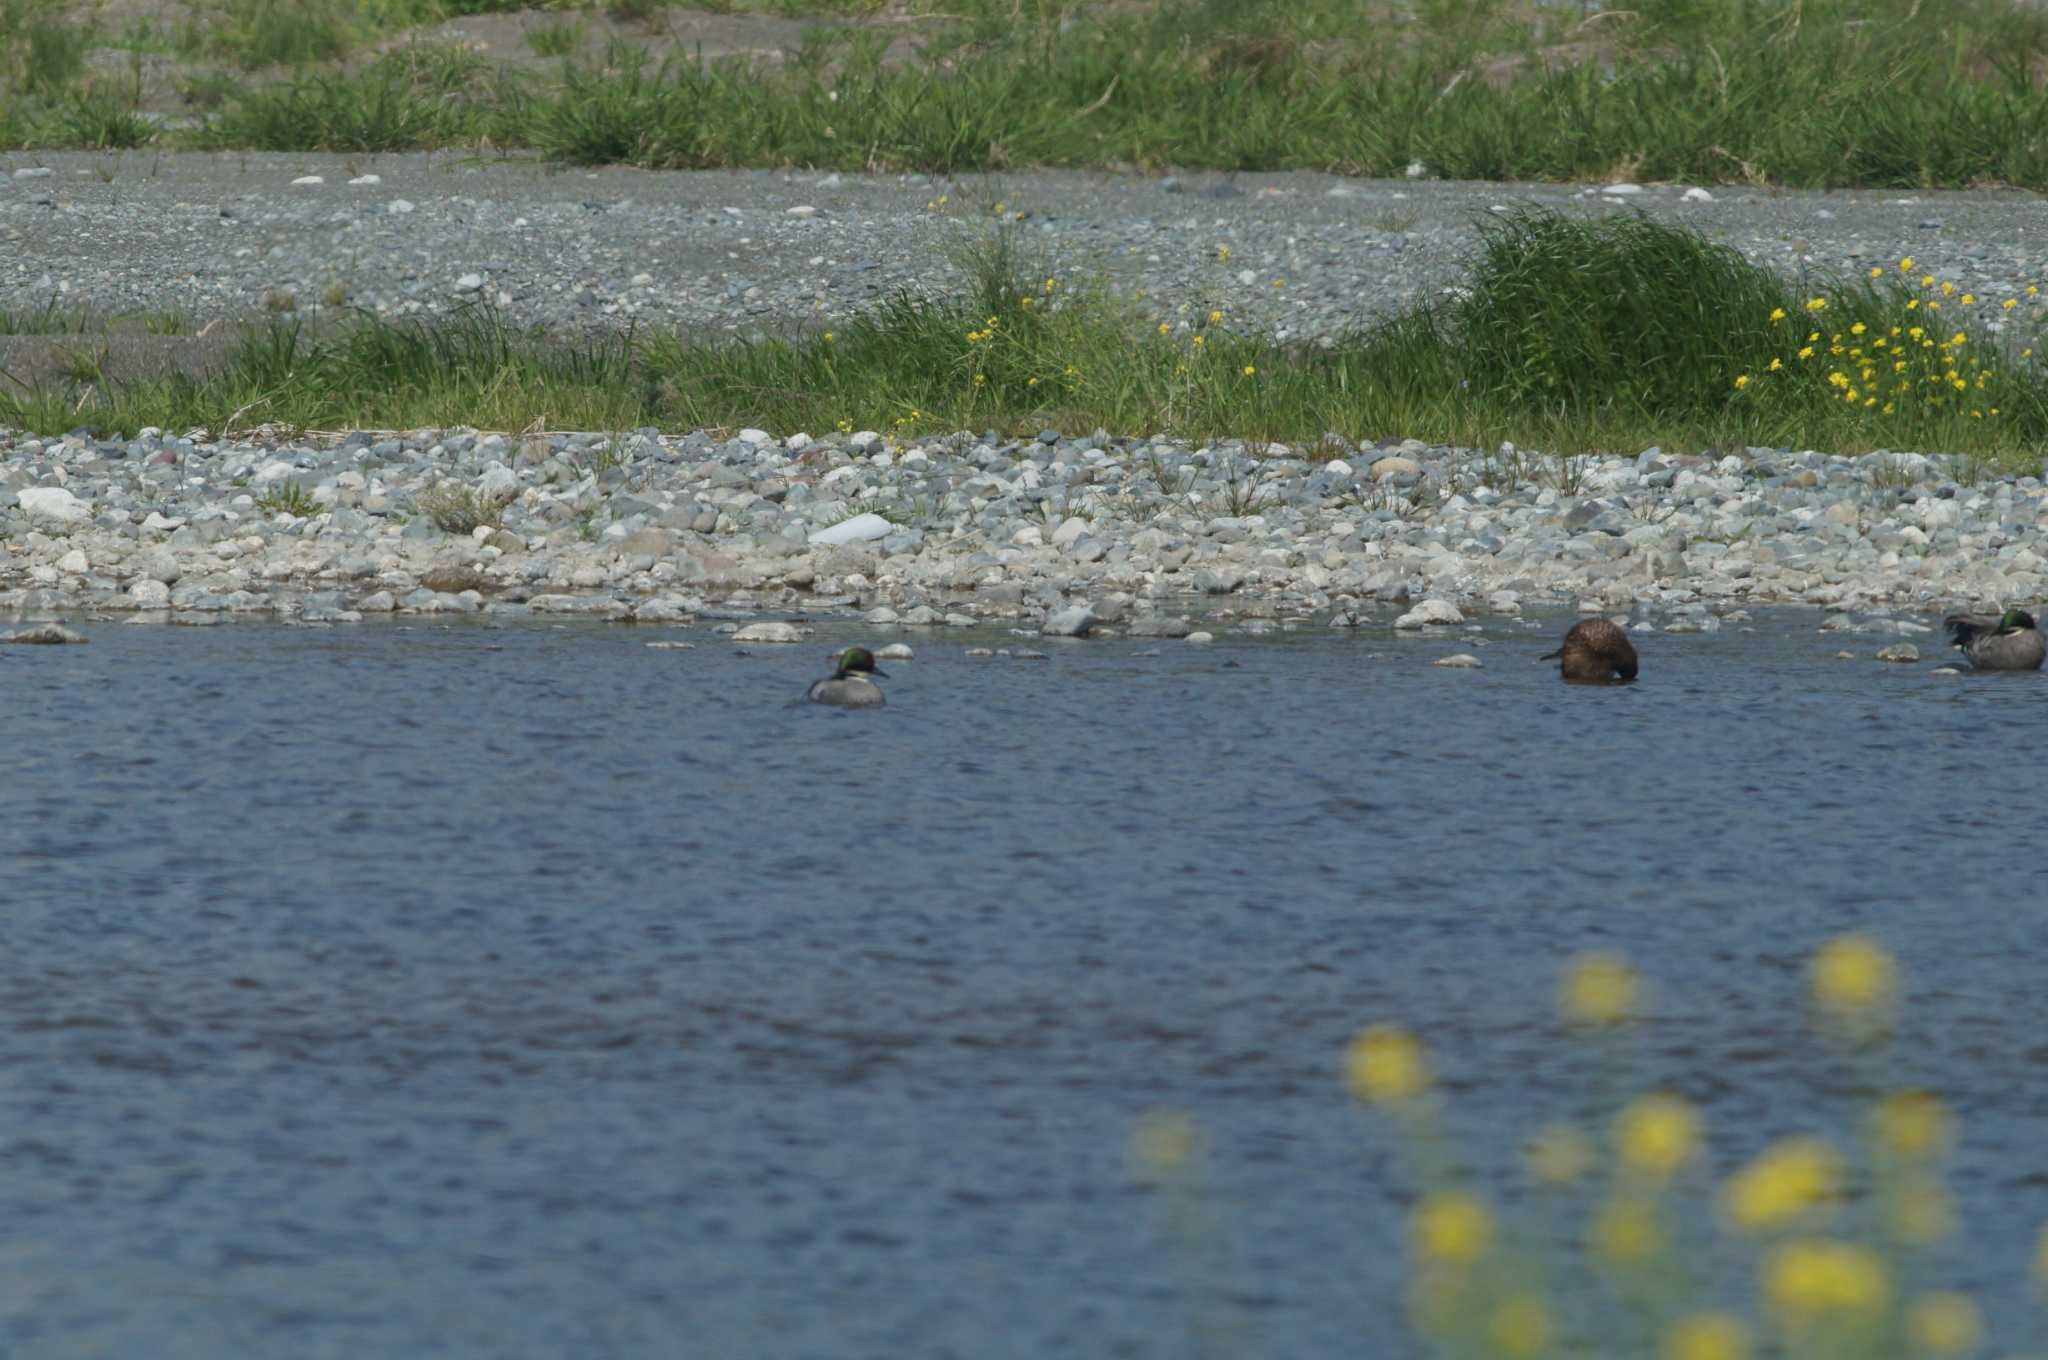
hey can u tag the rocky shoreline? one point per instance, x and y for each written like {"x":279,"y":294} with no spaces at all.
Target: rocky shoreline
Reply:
{"x":1094,"y":536}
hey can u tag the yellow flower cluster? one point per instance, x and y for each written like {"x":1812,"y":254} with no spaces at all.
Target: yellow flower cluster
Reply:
{"x":1879,"y":367}
{"x":1795,"y":1179}
{"x":1810,"y":1279}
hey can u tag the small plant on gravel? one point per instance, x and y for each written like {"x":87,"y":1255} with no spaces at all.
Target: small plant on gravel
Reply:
{"x":457,"y":509}
{"x":560,"y":39}
{"x":288,"y":498}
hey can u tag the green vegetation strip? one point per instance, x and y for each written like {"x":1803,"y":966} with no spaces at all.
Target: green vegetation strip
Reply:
{"x":1573,"y":336}
{"x":1893,"y":93}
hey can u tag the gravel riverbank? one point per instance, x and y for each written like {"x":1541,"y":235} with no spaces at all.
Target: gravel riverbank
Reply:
{"x":1102,"y":534}
{"x":1063,"y":536}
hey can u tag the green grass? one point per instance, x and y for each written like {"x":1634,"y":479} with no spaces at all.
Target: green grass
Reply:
{"x":1877,"y":93}
{"x":1573,"y":336}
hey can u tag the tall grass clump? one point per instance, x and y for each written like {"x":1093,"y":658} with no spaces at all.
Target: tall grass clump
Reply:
{"x":409,"y":99}
{"x":1822,"y":1244}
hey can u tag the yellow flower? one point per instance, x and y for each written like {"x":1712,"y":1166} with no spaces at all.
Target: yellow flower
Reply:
{"x":1741,"y":382}
{"x":1164,"y":1142}
{"x":1853,"y":976}
{"x":1944,"y":1324}
{"x":1215,"y":315}
{"x":1249,"y":370}
{"x":1051,"y":284}
{"x":1165,"y":329}
{"x":1959,"y":339}
{"x":1031,"y":382}
{"x":1520,"y":1326}
{"x":1920,"y":1213}
{"x":1601,"y":988}
{"x":1199,"y":341}
{"x":1777,"y":364}
{"x":1927,"y":280}
{"x":1627,"y":1231}
{"x":1450,"y":1228}
{"x":981,"y":380}
{"x":1777,"y":313}
{"x":1558,"y":1155}
{"x":1818,"y":304}
{"x":1807,"y":352}
{"x":1223,"y":252}
{"x":828,"y":337}
{"x":1947,"y":289}
{"x":1655,"y":1135}
{"x":1793,"y":1177}
{"x":1912,"y":303}
{"x":1969,"y":299}
{"x":1027,"y":302}
{"x":1814,"y":1278}
{"x":1906,"y":265}
{"x":1914,"y":1125}
{"x":1875,"y":271}
{"x":2033,"y":291}
{"x":1813,"y":338}
{"x":1706,"y":1336}
{"x":1857,"y":329}
{"x":1385,"y":1065}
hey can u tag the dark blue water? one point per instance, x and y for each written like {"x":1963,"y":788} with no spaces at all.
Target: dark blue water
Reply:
{"x":529,"y":992}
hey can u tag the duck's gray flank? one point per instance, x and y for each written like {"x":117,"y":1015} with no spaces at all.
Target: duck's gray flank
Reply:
{"x":2010,"y":641}
{"x":849,"y":685}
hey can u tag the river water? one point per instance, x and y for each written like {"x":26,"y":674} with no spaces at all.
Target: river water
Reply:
{"x":526,"y":991}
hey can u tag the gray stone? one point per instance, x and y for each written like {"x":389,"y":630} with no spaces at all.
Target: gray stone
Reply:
{"x":1072,"y":622}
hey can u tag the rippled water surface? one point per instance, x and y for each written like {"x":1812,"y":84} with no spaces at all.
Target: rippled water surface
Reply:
{"x":530,"y":992}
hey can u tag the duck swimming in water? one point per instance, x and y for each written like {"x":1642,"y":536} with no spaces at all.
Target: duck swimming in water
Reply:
{"x":1998,"y":642}
{"x":1596,"y":652}
{"x":849,"y":686}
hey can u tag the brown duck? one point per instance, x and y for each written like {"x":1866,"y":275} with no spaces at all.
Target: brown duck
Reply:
{"x":1596,"y":652}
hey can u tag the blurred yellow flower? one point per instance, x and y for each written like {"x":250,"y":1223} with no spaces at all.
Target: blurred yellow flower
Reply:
{"x":1906,"y":265}
{"x":1791,"y":1179}
{"x":1249,"y":370}
{"x":1777,"y":364}
{"x":1927,"y":280}
{"x":1969,"y":299}
{"x":1853,"y":976}
{"x":1947,"y":289}
{"x":1520,"y":1326}
{"x":1164,"y":1142}
{"x":1875,"y":271}
{"x":1215,"y":316}
{"x":1741,"y":382}
{"x":1920,"y":1213}
{"x":1385,"y":1065}
{"x":1558,"y":1155}
{"x":1627,"y":1231}
{"x":1858,"y":328}
{"x":1818,"y":304}
{"x":1806,"y":353}
{"x":1601,"y":988}
{"x":1944,"y":1324}
{"x":1199,"y":341}
{"x":1450,"y":1228}
{"x":1777,"y":313}
{"x":1814,"y":1278}
{"x":1655,"y":1135}
{"x":1223,"y":252}
{"x":1912,"y":1124}
{"x":1706,"y":1336}
{"x":1165,"y":329}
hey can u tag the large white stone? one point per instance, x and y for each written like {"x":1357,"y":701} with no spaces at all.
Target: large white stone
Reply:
{"x":859,"y":529}
{"x":1430,"y":612}
{"x":52,"y":502}
{"x":769,"y":632}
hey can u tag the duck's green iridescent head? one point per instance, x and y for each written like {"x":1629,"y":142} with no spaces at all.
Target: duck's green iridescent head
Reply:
{"x":859,"y":659}
{"x":2014,"y":621}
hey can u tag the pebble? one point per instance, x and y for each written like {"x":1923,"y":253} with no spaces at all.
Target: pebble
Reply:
{"x":48,"y":634}
{"x":1463,"y":661}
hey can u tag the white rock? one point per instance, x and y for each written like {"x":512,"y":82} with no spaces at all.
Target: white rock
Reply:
{"x":1071,"y":528}
{"x":52,"y":502}
{"x":1461,"y":661}
{"x":365,"y":181}
{"x":150,"y":595}
{"x":469,"y":283}
{"x":1028,"y":537}
{"x":1904,"y":652}
{"x":47,"y":634}
{"x":1393,"y":466}
{"x":863,"y":440}
{"x":276,"y":470}
{"x":160,"y":523}
{"x":309,"y":180}
{"x":1697,"y":195}
{"x":770,"y":632}
{"x":859,"y":529}
{"x":641,"y":280}
{"x":755,"y":437}
{"x":1621,"y":190}
{"x":73,"y":563}
{"x":1201,"y":637}
{"x":33,"y":172}
{"x":1430,"y":612}
{"x":1416,"y":170}
{"x":895,"y":651}
{"x":801,"y":210}
{"x":1337,"y":467}
{"x":398,"y":207}
{"x":1072,"y":622}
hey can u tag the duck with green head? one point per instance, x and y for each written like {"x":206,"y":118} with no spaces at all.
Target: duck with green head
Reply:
{"x":849,"y":686}
{"x":1998,"y":642}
